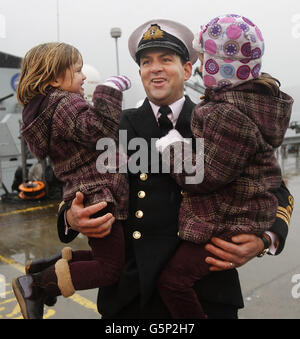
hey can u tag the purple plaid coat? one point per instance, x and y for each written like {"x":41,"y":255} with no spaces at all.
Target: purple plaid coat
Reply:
{"x":241,"y":128}
{"x":66,"y":128}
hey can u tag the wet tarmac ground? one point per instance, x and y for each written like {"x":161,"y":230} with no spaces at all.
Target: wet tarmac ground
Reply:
{"x":28,"y":231}
{"x":271,"y":285}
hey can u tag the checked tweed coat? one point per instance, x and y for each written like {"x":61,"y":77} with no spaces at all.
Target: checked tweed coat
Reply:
{"x":146,"y":256}
{"x":66,"y":128}
{"x":241,"y":128}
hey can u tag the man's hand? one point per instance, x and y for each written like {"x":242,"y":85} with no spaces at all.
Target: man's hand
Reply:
{"x":79,"y":219}
{"x":243,"y":248}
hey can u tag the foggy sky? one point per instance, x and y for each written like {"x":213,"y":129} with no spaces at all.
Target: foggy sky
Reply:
{"x":86,"y":24}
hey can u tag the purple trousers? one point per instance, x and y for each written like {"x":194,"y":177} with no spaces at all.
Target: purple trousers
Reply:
{"x":103,"y":264}
{"x":176,"y":282}
{"x":99,"y":267}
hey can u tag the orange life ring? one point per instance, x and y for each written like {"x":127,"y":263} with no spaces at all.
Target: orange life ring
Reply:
{"x":32,"y":190}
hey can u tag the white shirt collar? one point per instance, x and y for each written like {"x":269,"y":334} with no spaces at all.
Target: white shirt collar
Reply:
{"x":176,"y":108}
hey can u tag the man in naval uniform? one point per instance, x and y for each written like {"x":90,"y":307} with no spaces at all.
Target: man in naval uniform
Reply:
{"x":163,"y":50}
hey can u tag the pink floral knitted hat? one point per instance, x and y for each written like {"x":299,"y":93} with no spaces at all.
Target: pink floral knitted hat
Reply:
{"x":233,"y":47}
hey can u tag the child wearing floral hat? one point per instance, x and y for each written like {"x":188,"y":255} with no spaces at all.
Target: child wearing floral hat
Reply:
{"x":242,"y":119}
{"x":233,"y":48}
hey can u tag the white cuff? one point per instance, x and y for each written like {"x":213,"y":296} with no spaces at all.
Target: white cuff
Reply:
{"x":274,"y":241}
{"x":172,"y":137}
{"x":111,"y":84}
{"x":67,"y":226}
{"x":120,"y":82}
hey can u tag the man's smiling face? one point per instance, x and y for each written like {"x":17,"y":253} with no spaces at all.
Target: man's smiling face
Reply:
{"x":163,"y":75}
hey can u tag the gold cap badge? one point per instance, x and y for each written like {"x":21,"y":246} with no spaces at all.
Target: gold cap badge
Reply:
{"x":154,"y":32}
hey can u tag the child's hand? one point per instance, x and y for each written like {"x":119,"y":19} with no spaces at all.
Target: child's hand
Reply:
{"x":172,"y":137}
{"x":120,"y":82}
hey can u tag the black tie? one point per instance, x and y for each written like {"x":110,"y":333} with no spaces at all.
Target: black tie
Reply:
{"x":165,"y":123}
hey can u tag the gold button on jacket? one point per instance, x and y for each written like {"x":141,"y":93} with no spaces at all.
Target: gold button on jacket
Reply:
{"x":141,"y":194}
{"x":183,"y":193}
{"x":143,"y":176}
{"x":139,"y":214}
{"x":137,"y":235}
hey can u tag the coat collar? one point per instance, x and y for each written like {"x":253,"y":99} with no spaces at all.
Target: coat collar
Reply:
{"x":183,"y":124}
{"x":146,"y":126}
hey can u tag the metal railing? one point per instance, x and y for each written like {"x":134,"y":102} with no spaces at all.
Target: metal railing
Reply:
{"x":288,"y":155}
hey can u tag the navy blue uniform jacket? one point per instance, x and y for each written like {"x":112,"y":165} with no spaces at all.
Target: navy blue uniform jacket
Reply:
{"x":151,"y":237}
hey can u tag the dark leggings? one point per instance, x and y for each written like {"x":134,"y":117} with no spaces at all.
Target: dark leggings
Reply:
{"x":178,"y":278}
{"x":99,"y":267}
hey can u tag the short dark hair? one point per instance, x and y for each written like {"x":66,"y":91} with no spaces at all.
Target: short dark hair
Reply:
{"x":182,"y":58}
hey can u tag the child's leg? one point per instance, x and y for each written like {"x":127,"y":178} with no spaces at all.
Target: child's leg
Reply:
{"x":86,"y":255}
{"x":106,"y":258}
{"x":38,"y":265}
{"x":104,"y":268}
{"x":99,"y":267}
{"x":177,"y":280}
